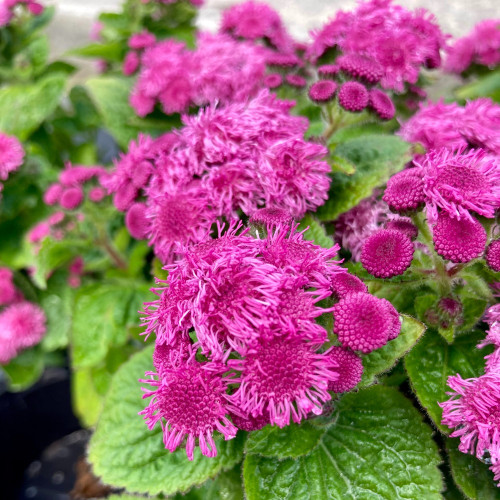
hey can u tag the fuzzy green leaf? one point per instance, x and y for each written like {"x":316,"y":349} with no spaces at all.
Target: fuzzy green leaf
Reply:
{"x":125,"y":454}
{"x":433,"y":360}
{"x":382,"y":360}
{"x":472,"y":476}
{"x":101,"y":317}
{"x":377,"y":448}
{"x":87,"y":402}
{"x":24,"y":107}
{"x":316,"y":232}
{"x":376,"y":157}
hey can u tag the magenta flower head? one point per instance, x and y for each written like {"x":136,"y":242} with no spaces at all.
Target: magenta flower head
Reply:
{"x":136,"y":221}
{"x":493,"y":255}
{"x":387,"y":253}
{"x":296,"y":81}
{"x":350,"y":369}
{"x":403,"y":224}
{"x":283,"y":376}
{"x":189,"y":401}
{"x":53,"y":194}
{"x":250,"y":423}
{"x":458,"y":240}
{"x":364,"y":323}
{"x":8,"y":291}
{"x":405,"y":191}
{"x":353,"y":96}
{"x":273,"y":81}
{"x":328,"y":70}
{"x":271,"y":217}
{"x":461,"y":181}
{"x":473,"y":411}
{"x":22,"y":325}
{"x":71,"y":198}
{"x":480,"y":123}
{"x":382,"y":104}
{"x":360,"y":67}
{"x":11,"y":155}
{"x":322,"y":91}
{"x":344,"y":284}
{"x":97,"y":194}
{"x":131,"y":63}
{"x":141,"y":40}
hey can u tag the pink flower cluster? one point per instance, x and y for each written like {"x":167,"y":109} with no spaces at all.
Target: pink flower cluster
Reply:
{"x":481,"y":46}
{"x":221,"y":69}
{"x":69,"y":194}
{"x":11,"y":156}
{"x":224,"y":161}
{"x":389,"y":42}
{"x":237,"y":342}
{"x":473,"y":409}
{"x":7,"y":9}
{"x":196,"y":3}
{"x":452,"y":126}
{"x":22,"y":323}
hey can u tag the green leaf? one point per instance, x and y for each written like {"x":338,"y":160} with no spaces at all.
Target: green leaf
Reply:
{"x":110,"y":51}
{"x":340,"y":164}
{"x":87,"y":402}
{"x":486,"y":86}
{"x":111,"y":97}
{"x":291,"y":441}
{"x":376,"y":158}
{"x":377,"y":448}
{"x":125,"y":454}
{"x":24,"y":107}
{"x":102,"y":313}
{"x":25,"y":369}
{"x":433,"y":360}
{"x":316,"y":232}
{"x":382,"y":360}
{"x":472,"y":476}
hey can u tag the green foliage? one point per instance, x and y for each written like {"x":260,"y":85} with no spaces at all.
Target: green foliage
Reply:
{"x":365,"y":452}
{"x":25,"y":369}
{"x":103,"y":312}
{"x":376,"y":157}
{"x":24,"y":107}
{"x":316,"y":231}
{"x":485,"y":86}
{"x":125,"y":454}
{"x":433,"y":360}
{"x":473,"y":477}
{"x":382,"y":360}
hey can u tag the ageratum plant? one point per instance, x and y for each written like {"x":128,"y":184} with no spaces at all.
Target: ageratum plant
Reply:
{"x":271,"y":267}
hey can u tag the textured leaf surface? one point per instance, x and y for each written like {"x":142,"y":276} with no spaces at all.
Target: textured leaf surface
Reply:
{"x":377,"y":448}
{"x":382,"y":360}
{"x":127,"y":455}
{"x":316,"y":232}
{"x":376,"y":158}
{"x":102,"y":314}
{"x":433,"y":360}
{"x":25,"y":369}
{"x":472,"y":476}
{"x":24,"y":107}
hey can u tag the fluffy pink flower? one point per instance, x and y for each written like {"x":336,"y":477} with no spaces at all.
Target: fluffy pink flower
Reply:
{"x":73,"y":175}
{"x":131,"y":63}
{"x":458,"y":240}
{"x":141,"y":40}
{"x":8,"y":291}
{"x":5,"y":15}
{"x":97,"y":194}
{"x":350,"y":370}
{"x":473,"y":411}
{"x":53,"y":194}
{"x":294,"y":175}
{"x":250,"y":423}
{"x":405,"y":191}
{"x":38,"y":232}
{"x":22,"y":325}
{"x":481,"y":46}
{"x":273,"y":81}
{"x":353,"y":96}
{"x":360,"y":67}
{"x":364,"y":322}
{"x":271,"y":217}
{"x":11,"y":155}
{"x":387,"y":253}
{"x":322,"y":91}
{"x":256,"y":20}
{"x":71,"y":198}
{"x":328,"y":70}
{"x":285,"y":377}
{"x":480,"y":124}
{"x":190,"y":402}
{"x":296,"y":81}
{"x":136,"y":221}
{"x":382,"y":104}
{"x":403,"y":224}
{"x":461,"y":181}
